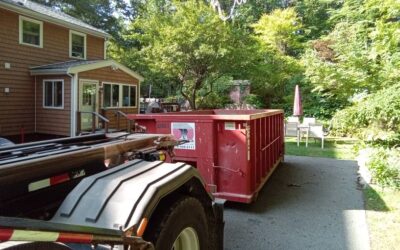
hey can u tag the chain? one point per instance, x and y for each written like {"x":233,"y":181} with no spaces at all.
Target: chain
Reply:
{"x":217,"y":6}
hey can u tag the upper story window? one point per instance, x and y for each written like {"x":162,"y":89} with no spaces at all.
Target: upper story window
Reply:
{"x":53,"y":94}
{"x":30,"y":32}
{"x":77,"y":45}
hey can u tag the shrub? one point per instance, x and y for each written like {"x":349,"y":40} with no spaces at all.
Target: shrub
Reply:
{"x":384,"y":165}
{"x":375,"y":117}
{"x":255,"y":100}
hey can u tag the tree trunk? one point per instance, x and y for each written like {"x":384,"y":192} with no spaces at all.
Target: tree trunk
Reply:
{"x":194,"y":107}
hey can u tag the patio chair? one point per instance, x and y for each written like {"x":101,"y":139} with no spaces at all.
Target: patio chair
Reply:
{"x":317,"y":131}
{"x":291,"y":130}
{"x":293,"y":119}
{"x":309,"y":121}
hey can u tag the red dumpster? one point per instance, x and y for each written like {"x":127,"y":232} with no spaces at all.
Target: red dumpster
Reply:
{"x":234,"y":150}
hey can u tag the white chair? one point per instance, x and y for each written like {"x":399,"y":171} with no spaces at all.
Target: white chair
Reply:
{"x":293,"y":119}
{"x":307,"y":121}
{"x":291,"y":128}
{"x":317,"y":131}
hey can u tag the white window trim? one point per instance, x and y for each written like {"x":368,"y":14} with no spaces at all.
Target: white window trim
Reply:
{"x":120,"y":95}
{"x":21,"y":40}
{"x":62,"y":88}
{"x":84,"y":44}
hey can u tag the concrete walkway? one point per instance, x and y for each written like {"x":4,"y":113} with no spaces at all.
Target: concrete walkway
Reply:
{"x":308,"y":203}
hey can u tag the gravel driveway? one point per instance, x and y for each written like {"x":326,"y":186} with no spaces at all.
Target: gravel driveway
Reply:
{"x":308,"y":203}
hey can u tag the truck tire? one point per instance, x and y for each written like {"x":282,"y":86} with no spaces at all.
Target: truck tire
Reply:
{"x":183,"y":225}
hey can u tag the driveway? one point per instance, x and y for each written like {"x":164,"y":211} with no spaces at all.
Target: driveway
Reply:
{"x":308,"y":203}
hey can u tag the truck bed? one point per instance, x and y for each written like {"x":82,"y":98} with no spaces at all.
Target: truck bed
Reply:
{"x":43,"y":173}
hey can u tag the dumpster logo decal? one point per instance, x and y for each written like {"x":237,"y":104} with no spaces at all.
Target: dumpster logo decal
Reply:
{"x":184,"y":131}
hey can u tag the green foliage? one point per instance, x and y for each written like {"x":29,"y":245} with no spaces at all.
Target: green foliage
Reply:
{"x":315,"y":16}
{"x":277,"y":70}
{"x":279,"y":31}
{"x":216,"y":95}
{"x":375,"y":117}
{"x":255,"y":101}
{"x":103,"y":14}
{"x":384,"y":165}
{"x":187,"y":42}
{"x":364,"y":50}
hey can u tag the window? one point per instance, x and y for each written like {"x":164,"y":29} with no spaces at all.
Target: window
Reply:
{"x":128,"y":96}
{"x":77,"y":45}
{"x":30,"y":32}
{"x":53,"y":94}
{"x":119,"y":95}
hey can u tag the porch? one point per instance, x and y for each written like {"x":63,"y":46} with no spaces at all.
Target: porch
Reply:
{"x":76,"y":97}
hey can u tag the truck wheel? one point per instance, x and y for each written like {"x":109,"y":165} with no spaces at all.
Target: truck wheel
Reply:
{"x":182,"y":226}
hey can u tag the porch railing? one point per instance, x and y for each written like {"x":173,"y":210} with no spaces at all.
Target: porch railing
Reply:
{"x":95,"y":115}
{"x":119,"y":114}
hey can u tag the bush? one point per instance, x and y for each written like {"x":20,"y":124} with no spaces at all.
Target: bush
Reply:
{"x":214,"y":101}
{"x":377,"y":117}
{"x":255,"y":101}
{"x":383,"y":164}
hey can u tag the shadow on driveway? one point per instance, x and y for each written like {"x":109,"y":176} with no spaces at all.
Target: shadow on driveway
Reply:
{"x":308,"y":203}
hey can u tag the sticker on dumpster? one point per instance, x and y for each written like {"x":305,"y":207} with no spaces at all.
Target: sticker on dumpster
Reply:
{"x":184,"y":131}
{"x":230,"y":126}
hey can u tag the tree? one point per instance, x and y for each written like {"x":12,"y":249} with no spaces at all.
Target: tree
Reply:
{"x":364,"y":50}
{"x":278,"y":69}
{"x":187,"y":41}
{"x":107,"y":15}
{"x":280,"y":31}
{"x":315,"y":16}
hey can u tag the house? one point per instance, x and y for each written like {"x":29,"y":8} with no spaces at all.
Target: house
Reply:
{"x":54,"y":75}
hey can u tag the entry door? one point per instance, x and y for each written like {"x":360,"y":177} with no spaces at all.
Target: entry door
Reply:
{"x":88,"y":102}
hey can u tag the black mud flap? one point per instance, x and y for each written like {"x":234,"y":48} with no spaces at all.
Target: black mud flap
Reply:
{"x":218,"y":207}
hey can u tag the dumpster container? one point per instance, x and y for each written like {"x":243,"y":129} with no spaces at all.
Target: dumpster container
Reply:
{"x":235,"y":151}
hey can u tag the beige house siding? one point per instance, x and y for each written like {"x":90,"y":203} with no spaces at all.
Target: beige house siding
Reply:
{"x":108,"y":75}
{"x":53,"y":121}
{"x":17,"y":107}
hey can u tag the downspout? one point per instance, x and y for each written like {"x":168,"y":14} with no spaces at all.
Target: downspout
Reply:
{"x":35,"y":104}
{"x":105,"y":49}
{"x":73,"y":104}
{"x":138,"y":98}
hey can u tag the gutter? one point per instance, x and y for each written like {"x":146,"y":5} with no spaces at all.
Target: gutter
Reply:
{"x":38,"y":72}
{"x":24,"y":11}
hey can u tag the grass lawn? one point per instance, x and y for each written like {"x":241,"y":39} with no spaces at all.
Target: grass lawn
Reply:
{"x":382,"y":205}
{"x":383,"y":216}
{"x":338,"y":148}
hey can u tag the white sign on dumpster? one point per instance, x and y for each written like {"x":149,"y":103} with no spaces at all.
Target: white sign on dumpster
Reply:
{"x":184,"y":131}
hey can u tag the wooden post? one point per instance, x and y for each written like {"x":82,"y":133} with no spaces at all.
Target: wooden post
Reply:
{"x":129,"y":129}
{"x":118,"y":116}
{"x":78,"y":120}
{"x":93,"y":122}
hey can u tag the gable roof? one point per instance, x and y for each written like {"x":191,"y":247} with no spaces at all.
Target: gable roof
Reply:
{"x":51,"y":15}
{"x":76,"y":66}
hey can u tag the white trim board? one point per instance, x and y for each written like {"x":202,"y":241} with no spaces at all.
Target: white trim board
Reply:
{"x":103,"y":64}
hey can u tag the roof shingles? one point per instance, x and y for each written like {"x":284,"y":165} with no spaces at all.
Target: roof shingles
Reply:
{"x":53,"y":13}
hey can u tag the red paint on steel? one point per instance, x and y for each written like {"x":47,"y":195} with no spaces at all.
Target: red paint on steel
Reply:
{"x":75,"y":238}
{"x":5,"y":234}
{"x":59,"y":179}
{"x":235,"y":151}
